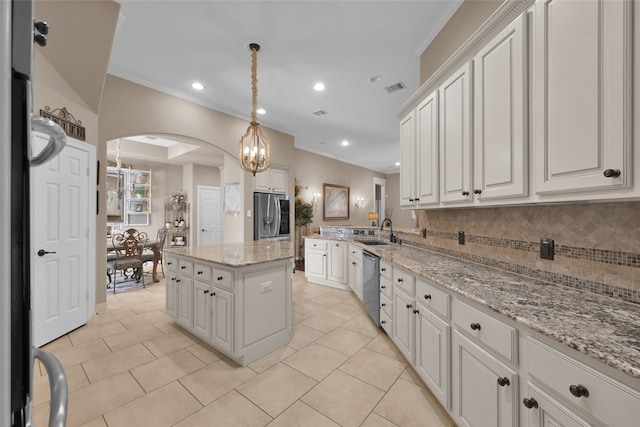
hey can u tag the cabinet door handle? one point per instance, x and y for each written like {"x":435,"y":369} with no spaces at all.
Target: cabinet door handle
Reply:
{"x":383,"y":287}
{"x":183,"y":267}
{"x":465,"y":193}
{"x":416,"y":311}
{"x":409,"y":306}
{"x":400,"y":280}
{"x":477,"y":191}
{"x":475,"y":326}
{"x":503,"y":381}
{"x":383,"y":269}
{"x":173,"y":278}
{"x":427,"y":296}
{"x":612,"y":173}
{"x":418,"y":199}
{"x":579,"y":390}
{"x":199,"y":272}
{"x":169,"y":263}
{"x":213,"y":294}
{"x":411,"y":200}
{"x":530,"y":402}
{"x":220,"y":277}
{"x":206,"y":292}
{"x":384,"y":304}
{"x":383,"y":322}
{"x":353,"y":262}
{"x":178,"y":280}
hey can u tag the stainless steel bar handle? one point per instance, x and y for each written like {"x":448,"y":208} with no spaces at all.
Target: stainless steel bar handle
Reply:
{"x":58,"y":387}
{"x":276,"y":232}
{"x":57,"y":139}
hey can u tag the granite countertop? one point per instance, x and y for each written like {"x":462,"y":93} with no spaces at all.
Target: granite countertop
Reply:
{"x":599,"y":326}
{"x":239,"y":254}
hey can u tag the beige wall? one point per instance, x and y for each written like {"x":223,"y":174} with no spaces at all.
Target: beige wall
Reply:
{"x":467,"y":19}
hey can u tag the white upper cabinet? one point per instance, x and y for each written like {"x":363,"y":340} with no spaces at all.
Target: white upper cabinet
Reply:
{"x":407,"y":160}
{"x":273,"y":180}
{"x":455,"y":136}
{"x":500,"y":115}
{"x":582,"y":120}
{"x":426,"y":153}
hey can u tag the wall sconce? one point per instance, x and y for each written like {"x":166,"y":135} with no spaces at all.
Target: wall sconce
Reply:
{"x":359,"y":202}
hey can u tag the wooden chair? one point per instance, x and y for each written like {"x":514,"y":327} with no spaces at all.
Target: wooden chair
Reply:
{"x":149,"y":254}
{"x":128,"y":252}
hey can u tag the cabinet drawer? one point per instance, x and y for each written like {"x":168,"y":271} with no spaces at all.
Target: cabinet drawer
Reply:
{"x":386,"y":270}
{"x":403,"y":280}
{"x":185,"y":267}
{"x":202,"y":272}
{"x":355,"y":252}
{"x":433,"y":298}
{"x":385,"y":322}
{"x":495,"y":334}
{"x":315,"y":244}
{"x":171,"y":261}
{"x":386,"y":288}
{"x":222,"y":278}
{"x":609,"y":401}
{"x":386,"y":305}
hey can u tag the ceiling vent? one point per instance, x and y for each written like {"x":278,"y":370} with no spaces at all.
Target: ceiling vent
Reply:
{"x":395,"y":87}
{"x":319,"y":113}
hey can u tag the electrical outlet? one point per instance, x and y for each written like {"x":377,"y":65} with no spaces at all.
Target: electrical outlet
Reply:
{"x":461,"y":237}
{"x":424,"y":233}
{"x":546,"y":248}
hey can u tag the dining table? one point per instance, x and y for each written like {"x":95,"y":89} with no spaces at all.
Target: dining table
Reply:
{"x":154,"y":246}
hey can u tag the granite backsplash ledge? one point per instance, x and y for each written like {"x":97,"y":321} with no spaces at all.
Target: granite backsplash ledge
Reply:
{"x":596,"y":245}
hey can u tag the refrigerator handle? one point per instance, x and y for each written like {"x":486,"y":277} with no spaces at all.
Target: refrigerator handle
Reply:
{"x":57,"y":386}
{"x":57,"y":139}
{"x":278,"y":216}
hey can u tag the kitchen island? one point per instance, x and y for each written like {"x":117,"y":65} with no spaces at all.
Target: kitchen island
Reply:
{"x":235,"y":297}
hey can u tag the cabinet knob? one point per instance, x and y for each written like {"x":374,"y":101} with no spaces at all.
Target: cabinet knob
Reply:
{"x":427,"y":296}
{"x":199,"y":272}
{"x":173,"y":278}
{"x":477,"y":191}
{"x":503,"y":381}
{"x":409,"y":306}
{"x":417,"y":199}
{"x":178,"y":280}
{"x":400,"y":280}
{"x":530,"y":402}
{"x":475,"y":326}
{"x":220,"y":277}
{"x":383,"y":269}
{"x":384,"y":304}
{"x":383,"y":322}
{"x":169,"y":263}
{"x":353,"y":262}
{"x":416,"y":311}
{"x":383,"y":287}
{"x":579,"y":390}
{"x":411,"y":200}
{"x":612,"y":173}
{"x":206,"y":292}
{"x":465,"y":193}
{"x":182,"y":267}
{"x":213,"y":294}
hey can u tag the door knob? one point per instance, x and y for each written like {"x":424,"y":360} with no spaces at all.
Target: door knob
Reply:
{"x":42,"y":252}
{"x":203,"y":230}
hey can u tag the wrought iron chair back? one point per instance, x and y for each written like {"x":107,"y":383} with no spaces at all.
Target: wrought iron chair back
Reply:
{"x":128,"y":248}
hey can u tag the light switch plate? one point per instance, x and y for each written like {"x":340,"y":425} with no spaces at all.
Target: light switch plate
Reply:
{"x":547,"y":248}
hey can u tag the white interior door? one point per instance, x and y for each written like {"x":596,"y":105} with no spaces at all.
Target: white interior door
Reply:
{"x":208,"y":215}
{"x":62,"y":236}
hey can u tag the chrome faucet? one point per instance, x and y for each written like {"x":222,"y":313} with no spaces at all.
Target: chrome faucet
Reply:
{"x":392,"y":237}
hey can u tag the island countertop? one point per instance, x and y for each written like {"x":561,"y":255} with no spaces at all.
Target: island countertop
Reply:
{"x":239,"y":254}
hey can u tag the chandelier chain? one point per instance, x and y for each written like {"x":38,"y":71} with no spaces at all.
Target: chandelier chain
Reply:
{"x":254,"y":84}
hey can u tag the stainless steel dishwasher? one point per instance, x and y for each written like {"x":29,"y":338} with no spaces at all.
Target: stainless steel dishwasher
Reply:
{"x":371,"y":285}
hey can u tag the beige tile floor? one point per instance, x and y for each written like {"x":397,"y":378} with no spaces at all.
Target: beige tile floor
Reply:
{"x":132,"y":366}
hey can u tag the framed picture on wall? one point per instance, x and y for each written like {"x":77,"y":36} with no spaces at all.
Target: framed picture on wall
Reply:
{"x":336,"y":201}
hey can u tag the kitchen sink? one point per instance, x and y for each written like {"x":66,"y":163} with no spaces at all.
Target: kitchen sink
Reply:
{"x":372,"y":242}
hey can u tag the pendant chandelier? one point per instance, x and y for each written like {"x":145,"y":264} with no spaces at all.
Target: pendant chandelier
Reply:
{"x":254,"y":146}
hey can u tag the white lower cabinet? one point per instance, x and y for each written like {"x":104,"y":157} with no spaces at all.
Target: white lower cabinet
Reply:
{"x":485,"y":391}
{"x":542,"y":410}
{"x":355,"y":270}
{"x":403,"y":323}
{"x":325,"y":262}
{"x":244,"y":312}
{"x":432,"y":354}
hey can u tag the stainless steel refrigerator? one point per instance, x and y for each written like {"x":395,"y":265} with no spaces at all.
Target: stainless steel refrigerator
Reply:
{"x":18,"y":31}
{"x":271,"y":216}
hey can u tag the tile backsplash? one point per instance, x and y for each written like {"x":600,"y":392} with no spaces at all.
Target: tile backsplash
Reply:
{"x":597,"y":245}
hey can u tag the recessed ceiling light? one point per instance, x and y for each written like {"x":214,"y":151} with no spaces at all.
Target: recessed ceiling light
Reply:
{"x":319,"y":87}
{"x":260,"y":111}
{"x":345,"y":143}
{"x":375,"y":79}
{"x":197,"y":85}
{"x":397,"y":163}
